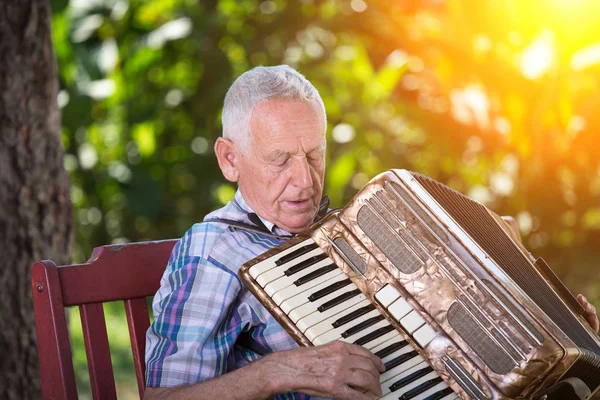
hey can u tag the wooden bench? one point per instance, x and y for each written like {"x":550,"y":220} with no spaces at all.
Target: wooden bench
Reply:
{"x":129,"y":273}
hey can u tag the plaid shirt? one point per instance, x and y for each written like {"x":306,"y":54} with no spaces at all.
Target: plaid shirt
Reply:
{"x":206,"y":322}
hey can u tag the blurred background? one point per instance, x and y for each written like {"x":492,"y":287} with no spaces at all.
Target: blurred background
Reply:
{"x":496,"y":99}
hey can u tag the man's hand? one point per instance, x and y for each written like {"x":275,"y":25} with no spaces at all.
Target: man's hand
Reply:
{"x":590,"y":312}
{"x":337,"y":369}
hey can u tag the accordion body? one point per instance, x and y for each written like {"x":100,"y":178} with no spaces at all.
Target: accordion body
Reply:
{"x":480,"y":315}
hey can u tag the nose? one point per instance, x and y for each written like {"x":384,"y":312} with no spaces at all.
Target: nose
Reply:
{"x":301,"y":176}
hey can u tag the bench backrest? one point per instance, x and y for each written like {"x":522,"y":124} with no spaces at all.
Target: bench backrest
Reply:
{"x":128,"y":272}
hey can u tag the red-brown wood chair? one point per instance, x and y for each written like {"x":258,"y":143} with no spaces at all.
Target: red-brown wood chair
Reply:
{"x":125,"y":272}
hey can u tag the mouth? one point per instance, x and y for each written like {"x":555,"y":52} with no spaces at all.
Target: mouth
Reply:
{"x":298,"y":204}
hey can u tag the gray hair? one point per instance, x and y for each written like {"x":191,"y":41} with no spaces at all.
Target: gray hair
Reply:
{"x":263,"y":84}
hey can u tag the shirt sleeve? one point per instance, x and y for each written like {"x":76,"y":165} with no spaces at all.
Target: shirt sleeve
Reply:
{"x":192,"y":336}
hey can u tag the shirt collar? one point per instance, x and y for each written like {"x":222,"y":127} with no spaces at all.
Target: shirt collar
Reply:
{"x":241,"y":203}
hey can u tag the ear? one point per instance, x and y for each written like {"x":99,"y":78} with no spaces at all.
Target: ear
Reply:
{"x":227,"y":155}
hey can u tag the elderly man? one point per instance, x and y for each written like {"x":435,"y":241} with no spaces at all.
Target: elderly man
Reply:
{"x":211,"y":338}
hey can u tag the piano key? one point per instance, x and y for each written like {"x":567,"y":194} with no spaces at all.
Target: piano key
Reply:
{"x":395,"y":354}
{"x":338,"y":300}
{"x":399,"y":308}
{"x":387,"y":375}
{"x":412,"y":321}
{"x":420,"y":386}
{"x":389,"y":349}
{"x":302,"y":265}
{"x":299,"y":306}
{"x":363,"y":325}
{"x":269,"y":263}
{"x":413,"y":376}
{"x":360,"y":337}
{"x":400,"y":359}
{"x":441,"y":385}
{"x":326,"y":327}
{"x":387,"y":295}
{"x":330,"y":289}
{"x":310,"y":259}
{"x":424,"y":335}
{"x":315,"y":274}
{"x":444,"y":394}
{"x":301,"y":298}
{"x":330,"y":315}
{"x":296,"y":252}
{"x":279,"y":292}
{"x":374,"y":335}
{"x":386,"y":343}
{"x":386,"y":386}
{"x":353,"y":315}
{"x":391,"y":335}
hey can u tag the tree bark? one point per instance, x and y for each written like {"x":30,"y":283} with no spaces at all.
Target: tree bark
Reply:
{"x":35,"y":207}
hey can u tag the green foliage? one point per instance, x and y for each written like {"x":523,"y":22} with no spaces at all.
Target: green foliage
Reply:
{"x":496,"y":99}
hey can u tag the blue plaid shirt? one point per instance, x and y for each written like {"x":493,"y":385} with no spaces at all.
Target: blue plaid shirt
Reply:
{"x":202,"y":308}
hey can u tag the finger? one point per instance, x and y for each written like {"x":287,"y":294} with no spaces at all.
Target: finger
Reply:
{"x":582,"y":300}
{"x":361,"y":351}
{"x":366,"y":381}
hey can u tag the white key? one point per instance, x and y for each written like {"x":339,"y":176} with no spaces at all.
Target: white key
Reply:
{"x":307,"y":307}
{"x":399,"y":308}
{"x":331,"y":333}
{"x":284,"y":281}
{"x":290,"y":291}
{"x":339,"y":310}
{"x":387,"y":294}
{"x":397,"y":353}
{"x":301,"y":298}
{"x":424,"y":335}
{"x":385,"y":386}
{"x":387,"y":375}
{"x":416,"y":383}
{"x":451,"y":396}
{"x":278,"y":272}
{"x":269,"y":263}
{"x":356,"y":336}
{"x":387,"y":343}
{"x":430,"y":391}
{"x":393,"y":335}
{"x":412,"y":321}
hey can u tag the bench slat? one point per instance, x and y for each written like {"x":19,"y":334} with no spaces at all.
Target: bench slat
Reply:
{"x":97,"y":351}
{"x":138,"y":321}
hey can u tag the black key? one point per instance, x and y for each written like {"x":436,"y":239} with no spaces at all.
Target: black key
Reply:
{"x":400,"y":360}
{"x":391,"y":348}
{"x":363,"y":325}
{"x":315,"y":274}
{"x":373,"y":335}
{"x":296,"y":253}
{"x":440,"y":394}
{"x":304,"y":264}
{"x":420,"y":389}
{"x":328,"y":290}
{"x":338,"y":300}
{"x":410,"y":378}
{"x":353,"y":315}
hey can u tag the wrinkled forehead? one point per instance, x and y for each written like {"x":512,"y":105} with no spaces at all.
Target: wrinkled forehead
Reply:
{"x":285,"y":121}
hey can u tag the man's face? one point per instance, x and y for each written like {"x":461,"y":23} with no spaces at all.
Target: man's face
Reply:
{"x":281,"y":173}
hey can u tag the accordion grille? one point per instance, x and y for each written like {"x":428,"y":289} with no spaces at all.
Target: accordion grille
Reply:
{"x":481,"y":343}
{"x":387,"y":241}
{"x":481,"y":226}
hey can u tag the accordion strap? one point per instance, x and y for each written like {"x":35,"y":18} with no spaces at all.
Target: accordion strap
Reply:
{"x":247,"y":227}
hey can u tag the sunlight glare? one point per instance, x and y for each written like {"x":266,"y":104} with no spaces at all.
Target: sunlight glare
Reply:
{"x":538,"y":58}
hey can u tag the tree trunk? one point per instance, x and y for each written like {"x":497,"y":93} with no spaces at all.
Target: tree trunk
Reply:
{"x":35,"y":207}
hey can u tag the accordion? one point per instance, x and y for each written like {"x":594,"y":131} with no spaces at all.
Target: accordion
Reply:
{"x":439,"y":287}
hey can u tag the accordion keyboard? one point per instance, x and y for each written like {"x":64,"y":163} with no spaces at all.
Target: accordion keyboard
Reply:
{"x":326,"y":306}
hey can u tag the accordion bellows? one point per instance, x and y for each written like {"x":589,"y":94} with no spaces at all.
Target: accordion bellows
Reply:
{"x":438,"y":286}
